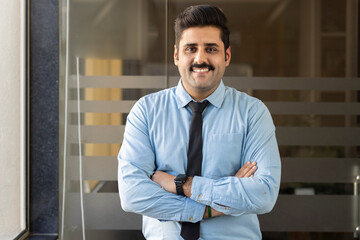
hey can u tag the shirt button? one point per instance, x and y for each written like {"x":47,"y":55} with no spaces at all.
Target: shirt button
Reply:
{"x":191,"y":219}
{"x":227,"y":208}
{"x":198,"y":201}
{"x":200,"y":196}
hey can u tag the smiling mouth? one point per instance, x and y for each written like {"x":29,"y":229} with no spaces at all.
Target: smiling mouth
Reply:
{"x":199,"y":68}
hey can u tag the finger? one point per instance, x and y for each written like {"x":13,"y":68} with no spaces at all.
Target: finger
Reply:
{"x":244,"y":169}
{"x":251,"y":171}
{"x":240,"y":173}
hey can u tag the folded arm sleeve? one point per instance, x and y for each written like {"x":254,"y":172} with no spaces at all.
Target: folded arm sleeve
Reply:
{"x":258,"y":194}
{"x":136,"y":163}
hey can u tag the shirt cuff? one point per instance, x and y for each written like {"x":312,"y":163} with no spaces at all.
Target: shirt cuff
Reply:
{"x":201,"y":190}
{"x":193,"y":211}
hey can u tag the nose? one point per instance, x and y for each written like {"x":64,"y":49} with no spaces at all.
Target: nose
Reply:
{"x":200,"y":56}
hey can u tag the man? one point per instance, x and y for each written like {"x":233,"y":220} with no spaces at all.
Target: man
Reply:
{"x":238,"y":175}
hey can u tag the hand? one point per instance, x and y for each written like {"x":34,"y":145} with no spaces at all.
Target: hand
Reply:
{"x":165,"y":180}
{"x":247,"y":170}
{"x":214,"y":213}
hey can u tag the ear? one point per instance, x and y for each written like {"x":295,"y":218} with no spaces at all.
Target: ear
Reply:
{"x":227,"y":56}
{"x":176,"y":56}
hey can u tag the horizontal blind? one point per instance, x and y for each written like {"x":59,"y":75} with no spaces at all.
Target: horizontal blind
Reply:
{"x":332,"y":213}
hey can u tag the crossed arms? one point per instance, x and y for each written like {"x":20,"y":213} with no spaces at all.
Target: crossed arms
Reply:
{"x":232,"y":195}
{"x":166,"y":181}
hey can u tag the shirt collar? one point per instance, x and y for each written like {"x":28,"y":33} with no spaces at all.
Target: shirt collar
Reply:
{"x":216,"y":98}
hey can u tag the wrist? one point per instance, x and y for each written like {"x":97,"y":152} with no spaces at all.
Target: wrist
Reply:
{"x":187,"y":186}
{"x":206,"y":213}
{"x":179,"y":181}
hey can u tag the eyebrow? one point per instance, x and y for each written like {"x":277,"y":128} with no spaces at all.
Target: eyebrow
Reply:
{"x":206,"y":44}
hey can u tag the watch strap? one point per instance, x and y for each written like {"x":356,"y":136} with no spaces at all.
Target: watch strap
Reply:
{"x":179,"y":182}
{"x":179,"y":188}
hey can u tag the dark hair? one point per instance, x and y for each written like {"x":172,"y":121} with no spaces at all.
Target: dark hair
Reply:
{"x":202,"y":15}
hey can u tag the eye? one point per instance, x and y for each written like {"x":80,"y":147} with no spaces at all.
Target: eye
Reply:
{"x":211,"y":49}
{"x":190,"y":49}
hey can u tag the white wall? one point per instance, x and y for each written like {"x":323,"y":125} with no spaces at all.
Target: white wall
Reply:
{"x":12,"y":117}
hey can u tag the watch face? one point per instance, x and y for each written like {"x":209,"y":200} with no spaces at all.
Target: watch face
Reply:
{"x":181,"y":178}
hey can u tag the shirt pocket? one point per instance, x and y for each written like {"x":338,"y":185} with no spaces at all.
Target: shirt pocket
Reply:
{"x":223,"y":155}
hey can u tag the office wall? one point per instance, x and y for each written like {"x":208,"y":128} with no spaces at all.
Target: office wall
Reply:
{"x":12,"y":112}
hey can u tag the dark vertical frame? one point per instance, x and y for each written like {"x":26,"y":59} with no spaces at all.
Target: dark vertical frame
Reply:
{"x":43,"y":118}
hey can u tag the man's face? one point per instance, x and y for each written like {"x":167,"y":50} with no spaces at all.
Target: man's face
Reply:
{"x":201,"y":60}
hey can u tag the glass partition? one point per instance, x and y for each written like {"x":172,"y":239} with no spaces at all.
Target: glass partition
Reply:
{"x":298,"y":56}
{"x":112,"y":53}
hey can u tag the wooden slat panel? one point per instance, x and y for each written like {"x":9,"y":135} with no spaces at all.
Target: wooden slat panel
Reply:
{"x":323,"y":136}
{"x":102,"y":106}
{"x":269,"y":83}
{"x":303,"y":108}
{"x":94,"y":168}
{"x":293,"y":83}
{"x":97,"y":134}
{"x":319,"y":170}
{"x":280,"y":108}
{"x":288,"y":83}
{"x":137,"y":82}
{"x":289,"y":136}
{"x":294,"y":170}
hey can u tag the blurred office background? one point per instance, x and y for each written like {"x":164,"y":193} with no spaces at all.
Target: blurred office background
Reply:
{"x":301,"y":57}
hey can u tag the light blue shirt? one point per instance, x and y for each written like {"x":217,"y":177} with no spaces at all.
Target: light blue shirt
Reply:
{"x":236,"y":128}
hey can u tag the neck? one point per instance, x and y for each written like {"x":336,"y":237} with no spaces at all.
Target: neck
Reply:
{"x":198,"y":98}
{"x":197,"y":94}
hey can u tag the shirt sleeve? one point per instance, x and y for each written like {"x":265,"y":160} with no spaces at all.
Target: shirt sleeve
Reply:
{"x":258,"y":194}
{"x":136,"y":164}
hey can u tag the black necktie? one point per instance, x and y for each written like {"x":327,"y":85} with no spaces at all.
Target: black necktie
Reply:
{"x":191,"y":231}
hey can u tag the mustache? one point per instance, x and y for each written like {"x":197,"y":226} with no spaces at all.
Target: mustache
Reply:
{"x":203,"y":65}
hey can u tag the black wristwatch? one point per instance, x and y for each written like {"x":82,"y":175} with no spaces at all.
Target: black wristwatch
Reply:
{"x":179,"y":182}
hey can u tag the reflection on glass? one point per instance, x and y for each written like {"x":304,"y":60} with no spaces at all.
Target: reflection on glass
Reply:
{"x":113,"y":40}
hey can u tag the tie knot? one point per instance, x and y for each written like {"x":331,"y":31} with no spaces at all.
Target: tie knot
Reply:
{"x":198,"y":107}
